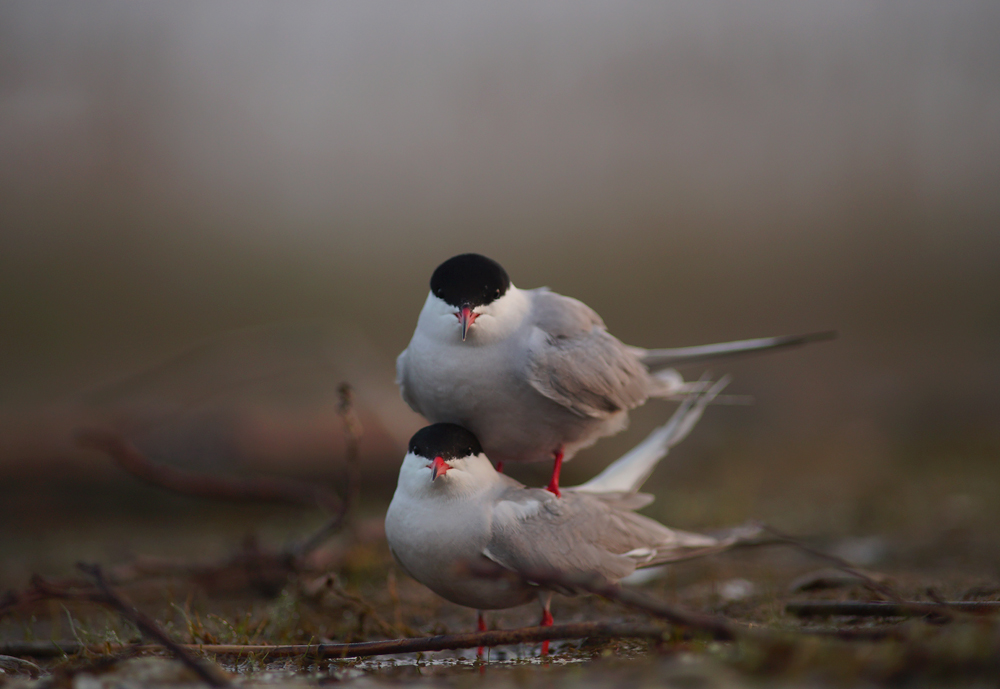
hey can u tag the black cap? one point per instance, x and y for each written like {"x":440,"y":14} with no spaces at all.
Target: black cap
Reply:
{"x":469,"y":280}
{"x":444,"y":440}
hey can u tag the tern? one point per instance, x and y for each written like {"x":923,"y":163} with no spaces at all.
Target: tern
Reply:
{"x":452,"y":513}
{"x":534,"y":375}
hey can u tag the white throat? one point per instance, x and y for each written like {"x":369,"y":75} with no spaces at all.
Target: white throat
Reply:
{"x":465,"y":478}
{"x":494,"y":321}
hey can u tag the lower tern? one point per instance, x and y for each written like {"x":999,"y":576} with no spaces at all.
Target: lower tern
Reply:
{"x":535,"y":375}
{"x":453,"y":513}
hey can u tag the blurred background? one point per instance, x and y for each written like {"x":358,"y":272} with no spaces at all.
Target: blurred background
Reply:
{"x":212,"y":214}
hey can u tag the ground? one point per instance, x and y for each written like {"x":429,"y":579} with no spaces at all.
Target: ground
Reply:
{"x":352,"y":591}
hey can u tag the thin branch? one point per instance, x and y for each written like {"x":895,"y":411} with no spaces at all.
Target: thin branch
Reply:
{"x":272,"y":489}
{"x":444,"y":642}
{"x":261,"y":568}
{"x":717,"y":627}
{"x":507,"y":637}
{"x":352,"y":434}
{"x":855,"y":608}
{"x":352,"y":488}
{"x":918,"y":609}
{"x":149,"y":628}
{"x":42,"y":589}
{"x":102,"y":594}
{"x":250,"y":561}
{"x":838,"y":562}
{"x":366,"y":607}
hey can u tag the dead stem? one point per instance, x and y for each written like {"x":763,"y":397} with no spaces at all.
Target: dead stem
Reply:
{"x":857,"y":608}
{"x":271,"y":489}
{"x":445,"y":642}
{"x":352,"y":489}
{"x":917,"y":608}
{"x":717,"y":627}
{"x":108,"y":597}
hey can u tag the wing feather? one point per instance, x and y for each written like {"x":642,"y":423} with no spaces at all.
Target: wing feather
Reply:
{"x":575,"y":361}
{"x":533,"y":531}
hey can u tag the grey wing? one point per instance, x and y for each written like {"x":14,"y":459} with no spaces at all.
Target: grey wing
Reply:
{"x":562,"y":316}
{"x":574,"y":361}
{"x":533,"y":531}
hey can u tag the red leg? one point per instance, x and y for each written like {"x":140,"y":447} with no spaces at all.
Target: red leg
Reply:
{"x":480,"y":627}
{"x":500,"y":467}
{"x":553,"y":486}
{"x":546,"y":622}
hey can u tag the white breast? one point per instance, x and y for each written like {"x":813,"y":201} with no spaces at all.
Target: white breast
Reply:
{"x":435,"y":540}
{"x":481,"y":384}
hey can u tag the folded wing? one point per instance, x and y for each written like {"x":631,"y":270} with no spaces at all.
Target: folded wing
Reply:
{"x":535,"y":532}
{"x":574,"y":361}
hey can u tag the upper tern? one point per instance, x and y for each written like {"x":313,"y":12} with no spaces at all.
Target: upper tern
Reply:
{"x":533,"y":374}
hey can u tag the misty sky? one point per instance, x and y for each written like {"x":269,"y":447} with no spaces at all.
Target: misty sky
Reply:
{"x":696,"y":171}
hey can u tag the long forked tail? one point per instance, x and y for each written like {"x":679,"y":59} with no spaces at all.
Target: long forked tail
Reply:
{"x":658,"y":358}
{"x":628,"y":473}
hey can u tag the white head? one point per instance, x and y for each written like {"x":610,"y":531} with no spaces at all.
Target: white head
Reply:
{"x":472,"y":300}
{"x":445,"y":461}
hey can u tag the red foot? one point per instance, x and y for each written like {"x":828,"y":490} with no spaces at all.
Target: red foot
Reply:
{"x":553,"y":486}
{"x":500,"y":467}
{"x":480,"y":627}
{"x":546,"y":622}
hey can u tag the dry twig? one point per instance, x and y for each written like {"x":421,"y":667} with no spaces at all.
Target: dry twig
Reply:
{"x":263,"y":569}
{"x":149,"y":628}
{"x":104,"y":595}
{"x":352,"y":434}
{"x":271,"y":489}
{"x":717,"y":627}
{"x":857,"y":608}
{"x":916,"y":608}
{"x":444,"y":642}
